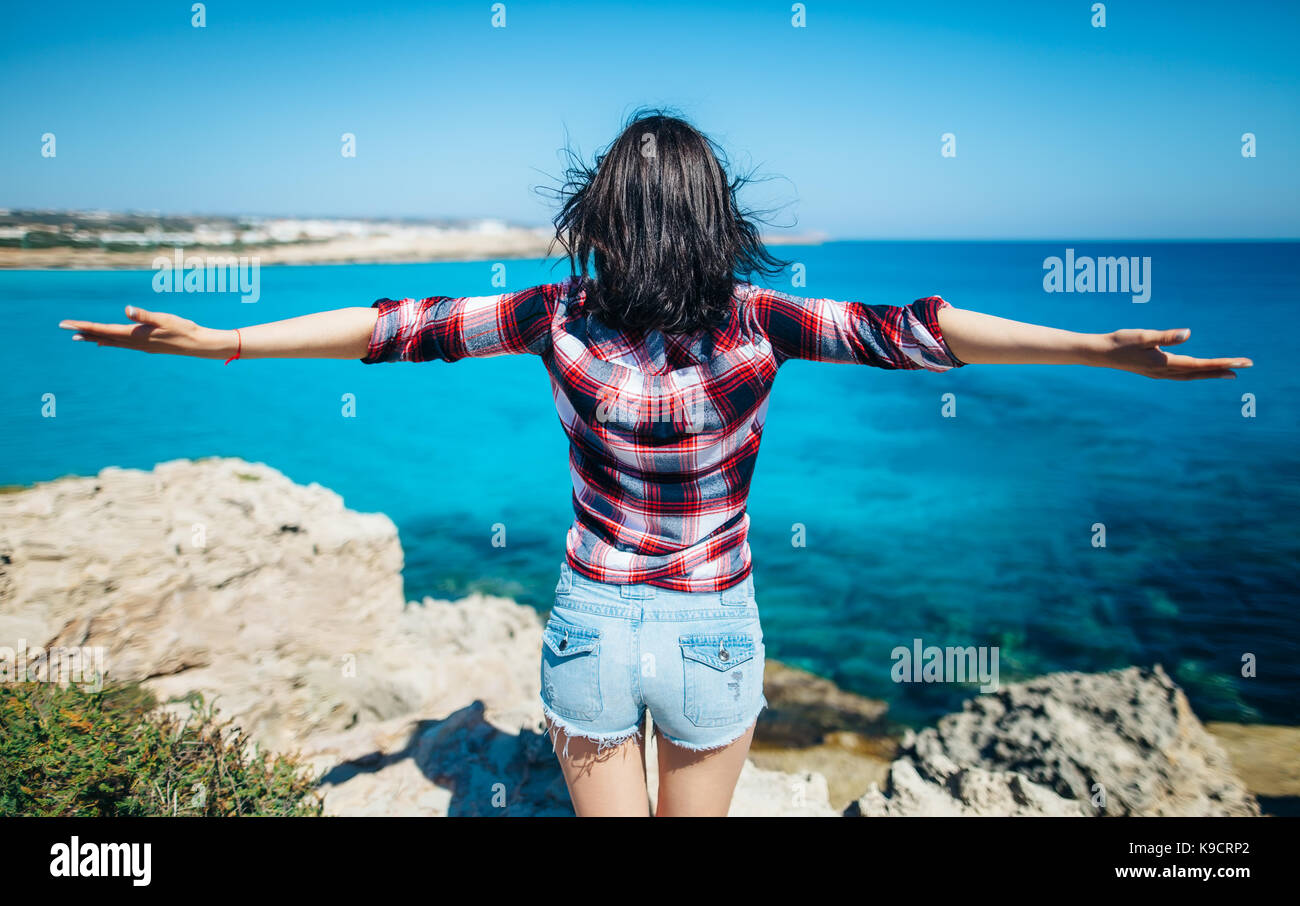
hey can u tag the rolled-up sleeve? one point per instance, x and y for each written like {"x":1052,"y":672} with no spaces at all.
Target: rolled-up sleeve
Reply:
{"x":451,"y":328}
{"x":827,"y":330}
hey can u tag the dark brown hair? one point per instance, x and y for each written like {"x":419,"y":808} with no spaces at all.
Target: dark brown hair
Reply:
{"x":659,"y":216}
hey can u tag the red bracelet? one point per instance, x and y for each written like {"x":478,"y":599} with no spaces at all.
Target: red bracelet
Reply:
{"x":238,"y":349}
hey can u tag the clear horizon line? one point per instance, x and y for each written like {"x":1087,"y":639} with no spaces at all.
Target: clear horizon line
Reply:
{"x":821,"y":236}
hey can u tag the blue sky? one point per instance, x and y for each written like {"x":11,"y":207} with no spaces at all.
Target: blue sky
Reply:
{"x":1062,"y":130}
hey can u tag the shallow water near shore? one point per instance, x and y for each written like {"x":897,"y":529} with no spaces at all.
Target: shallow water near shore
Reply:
{"x":971,"y":530}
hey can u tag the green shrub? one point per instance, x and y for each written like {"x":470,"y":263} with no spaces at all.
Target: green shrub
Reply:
{"x":68,"y":752}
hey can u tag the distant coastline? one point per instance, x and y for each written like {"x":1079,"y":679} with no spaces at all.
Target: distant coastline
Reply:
{"x":100,"y":240}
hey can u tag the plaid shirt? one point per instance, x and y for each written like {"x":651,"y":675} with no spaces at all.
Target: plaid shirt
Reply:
{"x":663,"y":429}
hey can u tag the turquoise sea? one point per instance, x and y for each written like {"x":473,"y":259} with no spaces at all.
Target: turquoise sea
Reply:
{"x":970,"y":530}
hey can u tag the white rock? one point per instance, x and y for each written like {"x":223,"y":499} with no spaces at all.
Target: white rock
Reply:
{"x":225,"y":578}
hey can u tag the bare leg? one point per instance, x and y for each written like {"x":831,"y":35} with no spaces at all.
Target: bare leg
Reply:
{"x":699,"y":784}
{"x":609,"y":783}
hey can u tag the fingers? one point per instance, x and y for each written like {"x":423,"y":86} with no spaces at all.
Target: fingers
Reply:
{"x":151,"y":318}
{"x":1150,"y":339}
{"x":104,"y":340}
{"x":91,"y":330}
{"x":126,"y":336}
{"x":1200,"y":375}
{"x":120,"y":336}
{"x":1187,"y":362}
{"x":140,"y":316}
{"x":1187,"y":368}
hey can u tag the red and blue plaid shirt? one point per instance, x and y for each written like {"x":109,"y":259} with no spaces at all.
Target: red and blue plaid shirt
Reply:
{"x":663,"y":429}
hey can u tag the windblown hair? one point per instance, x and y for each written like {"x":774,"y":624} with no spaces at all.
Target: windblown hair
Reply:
{"x":659,"y":216}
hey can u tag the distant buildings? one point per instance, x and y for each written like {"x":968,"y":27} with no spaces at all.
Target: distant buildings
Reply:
{"x":109,"y":230}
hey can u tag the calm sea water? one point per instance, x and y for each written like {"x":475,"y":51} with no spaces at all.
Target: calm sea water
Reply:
{"x":973,"y":530}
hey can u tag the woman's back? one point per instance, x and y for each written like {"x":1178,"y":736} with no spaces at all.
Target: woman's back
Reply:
{"x":663,"y":435}
{"x":664,"y":428}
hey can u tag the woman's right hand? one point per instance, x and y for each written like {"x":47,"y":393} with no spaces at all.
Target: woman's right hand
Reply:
{"x":157,"y":332}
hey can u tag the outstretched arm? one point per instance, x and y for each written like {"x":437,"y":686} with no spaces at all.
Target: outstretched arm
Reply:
{"x":390,"y":330}
{"x":340,"y":334}
{"x":931,"y":334}
{"x":978,"y":338}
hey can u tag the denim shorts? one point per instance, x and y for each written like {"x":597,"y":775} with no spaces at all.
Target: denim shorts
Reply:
{"x":694,"y":659}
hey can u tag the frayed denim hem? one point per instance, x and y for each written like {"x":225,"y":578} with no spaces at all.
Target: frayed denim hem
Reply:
{"x":603,"y":740}
{"x":709,"y":747}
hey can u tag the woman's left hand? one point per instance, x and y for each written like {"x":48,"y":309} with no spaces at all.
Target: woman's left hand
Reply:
{"x":1139,"y":351}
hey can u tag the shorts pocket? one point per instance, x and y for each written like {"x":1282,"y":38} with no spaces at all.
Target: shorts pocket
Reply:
{"x":571,"y":670}
{"x":722,"y":673}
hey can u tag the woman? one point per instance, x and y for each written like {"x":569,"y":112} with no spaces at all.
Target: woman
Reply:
{"x":661,"y":359}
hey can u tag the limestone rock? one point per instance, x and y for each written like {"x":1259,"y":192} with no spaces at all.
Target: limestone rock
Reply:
{"x":804,"y":708}
{"x":1119,"y":743}
{"x":225,"y":578}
